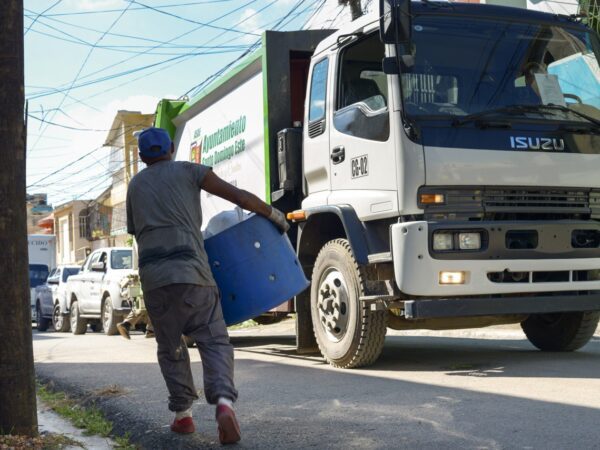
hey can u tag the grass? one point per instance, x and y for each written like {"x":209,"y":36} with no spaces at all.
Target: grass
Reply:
{"x":89,"y":418}
{"x":247,"y":324}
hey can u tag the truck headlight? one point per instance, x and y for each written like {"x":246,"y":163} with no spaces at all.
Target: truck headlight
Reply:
{"x":469,"y":241}
{"x":443,"y":241}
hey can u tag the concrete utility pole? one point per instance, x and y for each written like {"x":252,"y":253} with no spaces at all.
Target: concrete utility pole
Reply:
{"x":17,"y":386}
{"x":355,"y":7}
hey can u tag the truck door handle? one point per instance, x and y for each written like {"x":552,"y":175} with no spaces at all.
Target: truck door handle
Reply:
{"x":338,"y":154}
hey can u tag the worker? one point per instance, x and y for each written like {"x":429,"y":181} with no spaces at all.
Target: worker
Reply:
{"x":165,"y":215}
{"x":133,"y":318}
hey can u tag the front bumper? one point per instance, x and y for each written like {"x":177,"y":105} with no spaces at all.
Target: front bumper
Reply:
{"x":469,"y":307}
{"x":417,"y":272}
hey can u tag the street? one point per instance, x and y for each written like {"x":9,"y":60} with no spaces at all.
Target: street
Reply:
{"x":485,"y":389}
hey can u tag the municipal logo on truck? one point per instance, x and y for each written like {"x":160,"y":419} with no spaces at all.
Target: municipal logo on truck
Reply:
{"x":360,"y":166}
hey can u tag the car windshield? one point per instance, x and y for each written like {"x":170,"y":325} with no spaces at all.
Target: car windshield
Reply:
{"x":121,"y":259}
{"x":68,"y":271}
{"x":38,"y":274}
{"x":464,"y":67}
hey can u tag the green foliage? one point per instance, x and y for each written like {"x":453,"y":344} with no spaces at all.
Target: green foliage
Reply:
{"x":591,"y":8}
{"x":88,"y":418}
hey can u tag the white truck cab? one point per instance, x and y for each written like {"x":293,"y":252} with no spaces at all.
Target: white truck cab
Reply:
{"x":94,"y":294}
{"x":438,"y":160}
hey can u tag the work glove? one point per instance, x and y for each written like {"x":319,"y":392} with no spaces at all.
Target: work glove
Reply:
{"x":278,"y":218}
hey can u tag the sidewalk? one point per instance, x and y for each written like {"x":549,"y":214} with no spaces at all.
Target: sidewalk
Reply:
{"x":51,"y":422}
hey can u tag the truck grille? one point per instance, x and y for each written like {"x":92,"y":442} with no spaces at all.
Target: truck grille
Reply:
{"x":494,"y":203}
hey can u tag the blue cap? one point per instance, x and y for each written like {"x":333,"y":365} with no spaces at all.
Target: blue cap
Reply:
{"x":154,"y":142}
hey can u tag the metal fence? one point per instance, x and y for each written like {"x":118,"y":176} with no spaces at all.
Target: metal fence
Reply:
{"x":592,"y":9}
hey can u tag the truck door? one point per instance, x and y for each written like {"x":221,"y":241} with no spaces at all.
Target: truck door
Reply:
{"x":316,"y":135}
{"x":94,"y":286}
{"x":362,"y":151}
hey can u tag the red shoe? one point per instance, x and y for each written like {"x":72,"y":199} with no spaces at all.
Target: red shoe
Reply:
{"x":183,"y":426}
{"x":229,"y":430}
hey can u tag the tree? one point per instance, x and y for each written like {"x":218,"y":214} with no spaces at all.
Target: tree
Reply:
{"x":592,"y":9}
{"x":355,"y":7}
{"x":17,"y":385}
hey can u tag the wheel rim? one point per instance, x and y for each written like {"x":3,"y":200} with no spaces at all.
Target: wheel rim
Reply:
{"x":57,"y":318}
{"x":107,"y":315}
{"x":332,"y":304}
{"x":38,"y":314}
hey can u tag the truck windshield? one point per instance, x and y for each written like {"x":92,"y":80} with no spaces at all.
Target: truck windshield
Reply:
{"x":121,"y":259}
{"x":38,"y":273}
{"x":68,"y":271}
{"x":464,"y":67}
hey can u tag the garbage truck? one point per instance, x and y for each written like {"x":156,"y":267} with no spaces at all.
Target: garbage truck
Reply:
{"x":439,"y":161}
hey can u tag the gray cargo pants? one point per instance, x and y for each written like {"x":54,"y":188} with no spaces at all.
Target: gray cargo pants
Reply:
{"x":195,"y":311}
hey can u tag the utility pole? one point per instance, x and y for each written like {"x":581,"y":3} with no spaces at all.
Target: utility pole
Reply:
{"x":18,"y":413}
{"x":355,"y":7}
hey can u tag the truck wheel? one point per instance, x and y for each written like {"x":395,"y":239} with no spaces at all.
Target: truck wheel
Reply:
{"x":59,"y":321}
{"x":561,"y":332}
{"x":348,"y":333}
{"x":78,"y":324}
{"x":42,"y":323}
{"x":109,"y":318}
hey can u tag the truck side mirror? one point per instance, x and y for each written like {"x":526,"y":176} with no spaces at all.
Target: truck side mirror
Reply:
{"x":98,"y":267}
{"x":395,"y":21}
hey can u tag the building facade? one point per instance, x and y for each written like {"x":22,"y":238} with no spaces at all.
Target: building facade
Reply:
{"x":72,"y":231}
{"x":124,"y":163}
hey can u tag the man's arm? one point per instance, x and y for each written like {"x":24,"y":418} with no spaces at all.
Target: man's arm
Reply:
{"x":130,"y":224}
{"x":244,"y":199}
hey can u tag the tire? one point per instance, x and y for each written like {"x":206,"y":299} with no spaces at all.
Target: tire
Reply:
{"x":561,"y":332}
{"x":42,"y":323}
{"x":348,"y":333}
{"x":78,"y":324}
{"x":60,"y":322}
{"x":109,"y":318}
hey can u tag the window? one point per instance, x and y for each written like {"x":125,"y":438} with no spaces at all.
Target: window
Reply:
{"x":501,"y":63}
{"x":121,"y":259}
{"x":83,"y":224}
{"x":68,"y":271}
{"x":318,"y":91}
{"x":362,"y":94}
{"x":94,"y":258}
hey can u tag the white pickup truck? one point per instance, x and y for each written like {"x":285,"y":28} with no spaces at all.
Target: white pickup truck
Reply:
{"x":95,"y":293}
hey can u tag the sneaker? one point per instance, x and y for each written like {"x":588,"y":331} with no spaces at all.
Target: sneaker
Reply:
{"x":184,"y":425}
{"x":149,"y":334}
{"x":229,"y":430}
{"x":123,"y":329}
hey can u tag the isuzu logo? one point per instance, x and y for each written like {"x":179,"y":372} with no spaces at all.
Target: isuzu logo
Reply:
{"x":536,"y":143}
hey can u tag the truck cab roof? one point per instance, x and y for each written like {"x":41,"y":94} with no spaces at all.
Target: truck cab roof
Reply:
{"x":370,"y":21}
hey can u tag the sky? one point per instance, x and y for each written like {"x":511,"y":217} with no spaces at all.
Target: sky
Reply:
{"x":87,"y":59}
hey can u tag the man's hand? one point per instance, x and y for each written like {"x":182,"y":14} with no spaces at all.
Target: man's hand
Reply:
{"x":278,"y":218}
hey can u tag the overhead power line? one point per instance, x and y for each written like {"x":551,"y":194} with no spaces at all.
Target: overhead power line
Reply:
{"x":41,"y":14}
{"x":105,"y":11}
{"x":82,"y":67}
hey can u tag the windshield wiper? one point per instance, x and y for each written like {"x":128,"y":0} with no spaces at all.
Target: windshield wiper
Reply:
{"x":552,"y":106}
{"x":541,"y":109}
{"x":458,"y":121}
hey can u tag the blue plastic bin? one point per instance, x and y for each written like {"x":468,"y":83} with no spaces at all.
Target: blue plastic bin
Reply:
{"x":255,"y":268}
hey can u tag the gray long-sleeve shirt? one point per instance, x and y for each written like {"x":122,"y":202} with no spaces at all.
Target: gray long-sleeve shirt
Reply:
{"x":164,"y":214}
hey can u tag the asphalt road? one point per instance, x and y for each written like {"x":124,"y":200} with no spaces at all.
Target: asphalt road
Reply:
{"x":474,"y":389}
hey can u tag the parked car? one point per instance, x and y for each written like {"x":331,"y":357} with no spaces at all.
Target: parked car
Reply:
{"x":94,"y":294}
{"x":51,"y":300}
